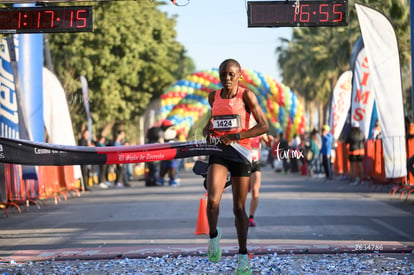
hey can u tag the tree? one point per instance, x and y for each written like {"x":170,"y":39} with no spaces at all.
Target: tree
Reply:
{"x":309,"y":49}
{"x":130,"y":58}
{"x":314,"y":58}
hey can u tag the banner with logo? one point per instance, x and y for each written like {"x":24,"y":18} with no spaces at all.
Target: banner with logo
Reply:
{"x":362,"y":100}
{"x":341,"y":103}
{"x":9,"y":123}
{"x":21,"y":151}
{"x":9,"y":117}
{"x":382,"y":51}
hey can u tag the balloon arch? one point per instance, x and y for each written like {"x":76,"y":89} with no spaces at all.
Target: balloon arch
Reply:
{"x":185,"y":101}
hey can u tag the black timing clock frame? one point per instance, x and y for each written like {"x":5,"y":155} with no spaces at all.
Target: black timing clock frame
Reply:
{"x":308,"y":13}
{"x":47,"y":19}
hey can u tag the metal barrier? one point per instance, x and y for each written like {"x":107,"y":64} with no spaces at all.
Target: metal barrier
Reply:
{"x":54,"y":182}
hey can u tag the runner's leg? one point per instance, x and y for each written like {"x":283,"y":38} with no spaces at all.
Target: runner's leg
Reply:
{"x":240,"y":187}
{"x":216,"y":180}
{"x":255,"y":179}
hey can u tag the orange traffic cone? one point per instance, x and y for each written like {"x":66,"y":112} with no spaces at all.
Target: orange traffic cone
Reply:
{"x":202,"y":222}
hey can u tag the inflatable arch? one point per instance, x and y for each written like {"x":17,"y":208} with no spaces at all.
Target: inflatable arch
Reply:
{"x":185,"y":101}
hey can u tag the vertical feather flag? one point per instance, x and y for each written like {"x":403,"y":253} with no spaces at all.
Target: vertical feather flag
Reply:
{"x":341,"y":103}
{"x":58,"y":122}
{"x":85,"y":93}
{"x":362,"y":100}
{"x":382,"y":51}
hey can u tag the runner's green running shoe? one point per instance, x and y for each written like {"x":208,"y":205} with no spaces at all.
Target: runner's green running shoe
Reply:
{"x":214,"y":251}
{"x":244,"y":265}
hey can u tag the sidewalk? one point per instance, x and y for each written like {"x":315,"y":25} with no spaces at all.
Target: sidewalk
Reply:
{"x":301,"y":222}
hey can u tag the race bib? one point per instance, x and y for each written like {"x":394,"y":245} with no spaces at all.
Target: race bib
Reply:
{"x":227,"y":123}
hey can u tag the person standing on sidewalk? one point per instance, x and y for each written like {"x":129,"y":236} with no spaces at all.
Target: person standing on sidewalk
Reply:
{"x":102,"y":168}
{"x":231,"y":108}
{"x":318,"y":171}
{"x":86,"y":168}
{"x":356,"y":152}
{"x":169,"y":167}
{"x":256,"y":173}
{"x":284,"y":149}
{"x":326,"y":151}
{"x":313,"y":162}
{"x":120,"y":181}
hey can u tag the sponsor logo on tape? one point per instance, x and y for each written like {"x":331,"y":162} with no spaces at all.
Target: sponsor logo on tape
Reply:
{"x":141,"y":157}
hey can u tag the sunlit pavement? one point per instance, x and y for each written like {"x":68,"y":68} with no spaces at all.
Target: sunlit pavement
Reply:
{"x":296,"y":215}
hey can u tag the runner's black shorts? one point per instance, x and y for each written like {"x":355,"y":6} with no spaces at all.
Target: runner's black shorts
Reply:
{"x":237,"y":169}
{"x":256,"y":166}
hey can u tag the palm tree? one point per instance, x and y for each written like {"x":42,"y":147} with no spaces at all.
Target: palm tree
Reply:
{"x":312,"y":61}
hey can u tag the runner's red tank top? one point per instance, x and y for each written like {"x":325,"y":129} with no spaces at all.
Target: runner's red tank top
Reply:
{"x":230,"y":115}
{"x":255,"y":144}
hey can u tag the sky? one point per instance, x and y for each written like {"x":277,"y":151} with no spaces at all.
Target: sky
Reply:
{"x":214,"y":30}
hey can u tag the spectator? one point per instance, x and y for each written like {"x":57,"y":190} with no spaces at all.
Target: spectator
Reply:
{"x":312,"y":155}
{"x":376,"y":131}
{"x":270,"y":155}
{"x":169,"y":167}
{"x":326,"y":151}
{"x":283,"y":152}
{"x":181,"y":162}
{"x":409,"y":134}
{"x":318,"y":161}
{"x":356,"y":151}
{"x":102,"y":168}
{"x":120,"y":180}
{"x":154,"y":135}
{"x":294,"y":147}
{"x":86,"y":168}
{"x":127,"y":170}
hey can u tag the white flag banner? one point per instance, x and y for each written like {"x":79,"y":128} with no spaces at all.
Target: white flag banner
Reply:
{"x":382,"y":50}
{"x":341,"y":102}
{"x":56,"y":114}
{"x":362,"y":93}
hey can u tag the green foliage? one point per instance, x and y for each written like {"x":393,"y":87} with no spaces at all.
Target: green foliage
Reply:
{"x":130,"y":58}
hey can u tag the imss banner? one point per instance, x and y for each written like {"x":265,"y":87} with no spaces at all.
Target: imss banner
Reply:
{"x":362,"y":101}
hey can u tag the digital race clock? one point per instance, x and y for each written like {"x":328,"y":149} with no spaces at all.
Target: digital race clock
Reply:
{"x":46,"y":19}
{"x":288,"y":14}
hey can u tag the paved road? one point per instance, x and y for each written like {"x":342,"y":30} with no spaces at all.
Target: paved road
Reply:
{"x":296,"y":214}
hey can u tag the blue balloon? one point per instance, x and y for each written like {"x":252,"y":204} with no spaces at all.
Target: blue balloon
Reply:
{"x":181,"y":83}
{"x":281,"y":114}
{"x":292,"y":113}
{"x":264,"y":82}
